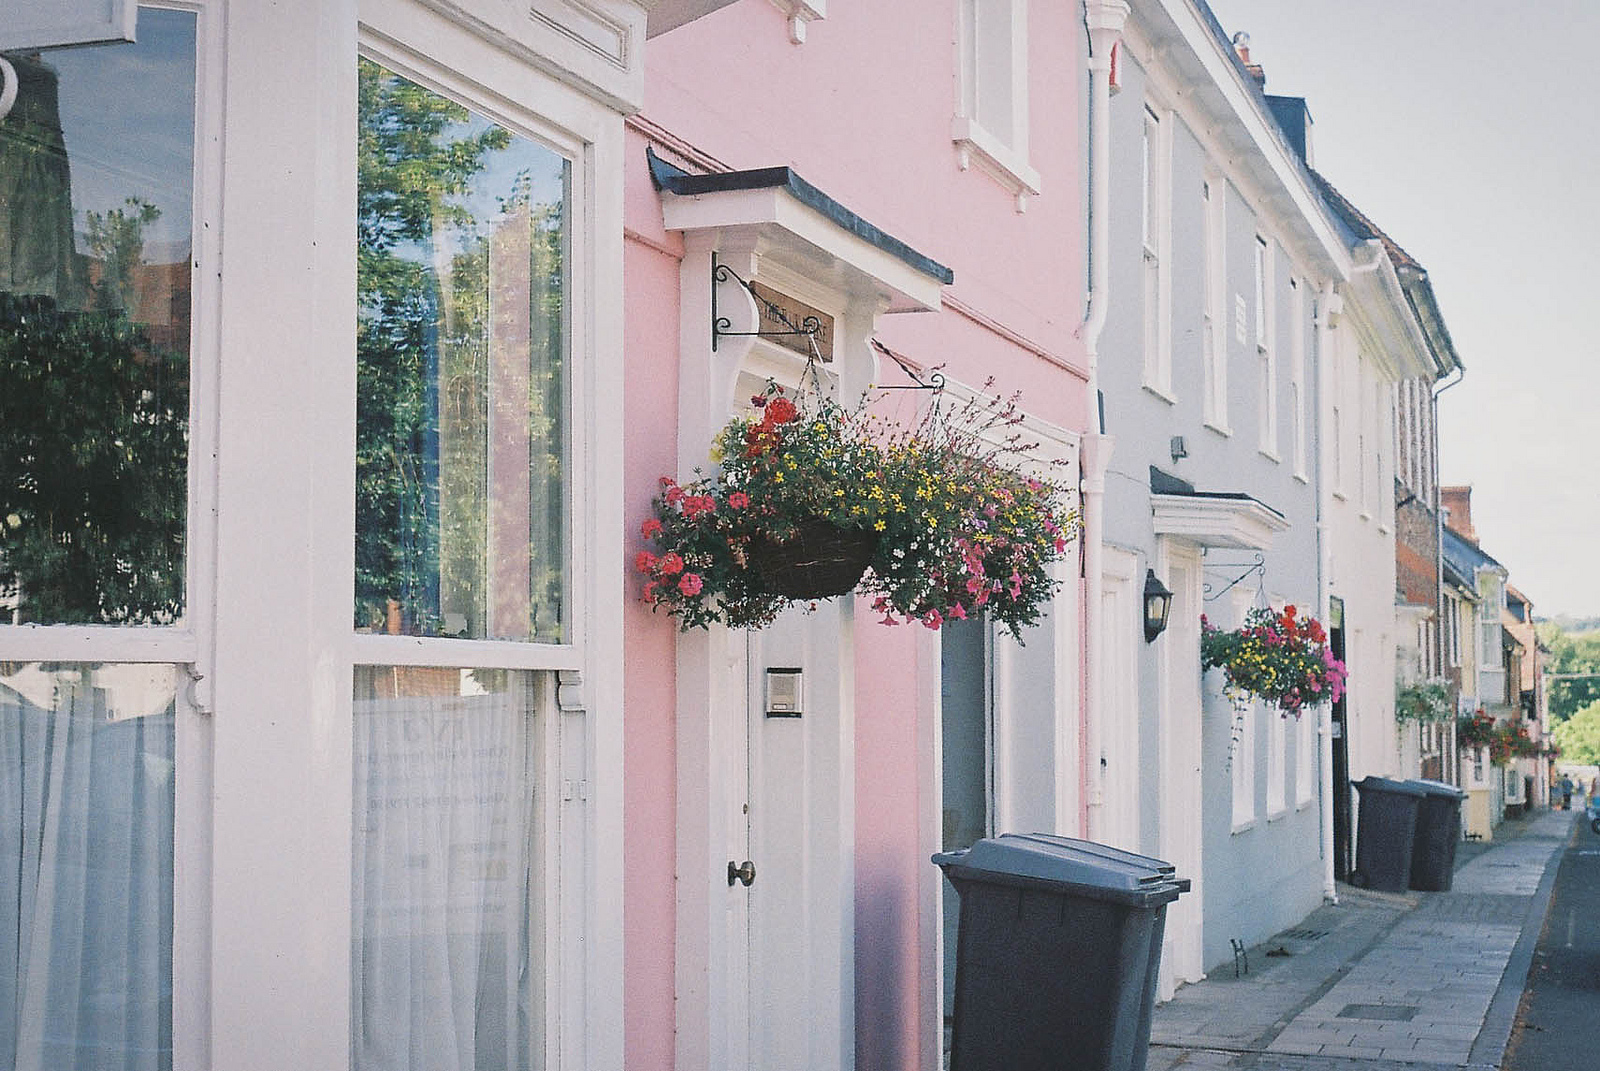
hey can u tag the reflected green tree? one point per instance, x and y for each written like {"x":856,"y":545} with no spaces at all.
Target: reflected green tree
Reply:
{"x":429,"y":419}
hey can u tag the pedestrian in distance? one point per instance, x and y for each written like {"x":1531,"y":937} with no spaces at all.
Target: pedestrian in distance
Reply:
{"x":1566,"y":793}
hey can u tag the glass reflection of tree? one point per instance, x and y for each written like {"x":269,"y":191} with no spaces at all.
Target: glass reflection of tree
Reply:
{"x":434,"y":286}
{"x":93,"y":412}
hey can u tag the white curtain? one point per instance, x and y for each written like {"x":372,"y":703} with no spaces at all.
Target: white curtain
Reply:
{"x":86,"y":842}
{"x":446,"y":975}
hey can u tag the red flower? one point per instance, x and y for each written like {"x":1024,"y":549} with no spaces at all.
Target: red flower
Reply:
{"x":650,"y":529}
{"x":738,"y":500}
{"x":671,"y":564}
{"x":780,"y":411}
{"x":644,"y":561}
{"x":690,"y":583}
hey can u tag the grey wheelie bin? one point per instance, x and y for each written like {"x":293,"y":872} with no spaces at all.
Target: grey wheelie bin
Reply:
{"x":1433,"y":852}
{"x":1057,"y":950}
{"x":1387,"y":833}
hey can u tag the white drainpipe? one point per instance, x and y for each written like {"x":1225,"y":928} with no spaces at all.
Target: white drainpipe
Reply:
{"x":1327,"y":308}
{"x":1104,"y":20}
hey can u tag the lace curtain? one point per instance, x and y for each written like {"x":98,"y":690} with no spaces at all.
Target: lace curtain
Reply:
{"x":86,"y":853}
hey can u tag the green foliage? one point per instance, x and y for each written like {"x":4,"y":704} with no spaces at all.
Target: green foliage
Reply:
{"x":1571,"y":652}
{"x":953,"y":529}
{"x":1579,"y":736}
{"x":426,"y":268}
{"x":1422,"y":701}
{"x":94,"y":421}
{"x":1277,"y":656}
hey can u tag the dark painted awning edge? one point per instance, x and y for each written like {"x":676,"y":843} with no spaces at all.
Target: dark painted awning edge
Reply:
{"x":1164,"y":483}
{"x":675,"y":180}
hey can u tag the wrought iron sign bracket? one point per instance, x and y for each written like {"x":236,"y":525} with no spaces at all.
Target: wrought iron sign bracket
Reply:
{"x":934,"y":382}
{"x":721,"y":326}
{"x":1257,"y":567}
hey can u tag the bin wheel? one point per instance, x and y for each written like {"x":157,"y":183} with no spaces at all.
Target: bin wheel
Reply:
{"x":1595,"y":825}
{"x":1358,"y":878}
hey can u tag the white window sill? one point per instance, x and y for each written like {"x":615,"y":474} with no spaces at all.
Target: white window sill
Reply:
{"x":1221,"y":429}
{"x":1365,"y":515}
{"x":1164,"y":393}
{"x":1340,"y":495}
{"x":975,"y":145}
{"x":1302,"y":477}
{"x":1301,"y":805}
{"x":1244,"y":827}
{"x":1273,"y":816}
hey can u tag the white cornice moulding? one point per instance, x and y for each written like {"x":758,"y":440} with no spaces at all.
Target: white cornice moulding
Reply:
{"x":1209,"y":521}
{"x":596,"y":46}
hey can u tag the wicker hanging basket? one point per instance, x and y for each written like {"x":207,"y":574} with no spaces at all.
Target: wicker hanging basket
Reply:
{"x":820,"y":561}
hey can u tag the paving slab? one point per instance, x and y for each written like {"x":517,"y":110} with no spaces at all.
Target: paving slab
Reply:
{"x":1417,"y":981}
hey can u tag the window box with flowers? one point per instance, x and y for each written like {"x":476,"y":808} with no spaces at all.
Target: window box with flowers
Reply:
{"x":1505,"y":740}
{"x":934,"y":521}
{"x":1275,"y":656}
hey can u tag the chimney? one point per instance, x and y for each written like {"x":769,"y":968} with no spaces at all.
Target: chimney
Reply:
{"x":1241,"y":45}
{"x":1457,"y":504}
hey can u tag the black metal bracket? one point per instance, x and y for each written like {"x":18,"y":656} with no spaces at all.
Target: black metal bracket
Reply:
{"x":934,"y":382}
{"x":1255,"y":567}
{"x":810,"y":327}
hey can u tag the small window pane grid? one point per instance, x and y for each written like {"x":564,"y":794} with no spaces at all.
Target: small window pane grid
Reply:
{"x":462,"y":338}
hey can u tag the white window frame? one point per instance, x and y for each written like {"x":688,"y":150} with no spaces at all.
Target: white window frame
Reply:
{"x":582,"y":913}
{"x":1297,"y":378}
{"x":998,"y":148}
{"x":1308,"y":769}
{"x":189,"y":646}
{"x":1155,"y":244}
{"x":1266,"y":315}
{"x":1244,"y":722}
{"x":1214,"y":340}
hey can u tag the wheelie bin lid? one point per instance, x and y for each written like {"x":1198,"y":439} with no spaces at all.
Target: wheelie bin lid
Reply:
{"x":1085,"y":868}
{"x":1437,"y":788}
{"x":1384,"y":784}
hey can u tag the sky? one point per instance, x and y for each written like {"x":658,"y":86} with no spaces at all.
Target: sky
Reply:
{"x":1468,"y":130}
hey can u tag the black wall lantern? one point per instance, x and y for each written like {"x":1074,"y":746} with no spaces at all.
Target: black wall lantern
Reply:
{"x":1157,"y":605}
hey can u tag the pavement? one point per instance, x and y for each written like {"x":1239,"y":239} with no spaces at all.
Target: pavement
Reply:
{"x":1382,"y":981}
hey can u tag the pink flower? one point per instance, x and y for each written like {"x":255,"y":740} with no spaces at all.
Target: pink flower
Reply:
{"x":650,"y":591}
{"x":671,"y":564}
{"x":690,"y":583}
{"x":957,"y":612}
{"x":644,"y":561}
{"x":650,"y":528}
{"x":933,"y":619}
{"x":738,"y":500}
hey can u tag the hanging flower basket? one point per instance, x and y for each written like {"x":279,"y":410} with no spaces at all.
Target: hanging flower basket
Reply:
{"x":820,"y":560}
{"x":934,"y":520}
{"x":1278,"y":657}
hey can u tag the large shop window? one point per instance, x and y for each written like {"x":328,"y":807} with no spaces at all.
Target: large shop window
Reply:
{"x":448,"y":970}
{"x":96,"y":259}
{"x":461,"y":460}
{"x":96,"y":187}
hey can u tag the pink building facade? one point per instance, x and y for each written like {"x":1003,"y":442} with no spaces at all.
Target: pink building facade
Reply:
{"x":974,"y":263}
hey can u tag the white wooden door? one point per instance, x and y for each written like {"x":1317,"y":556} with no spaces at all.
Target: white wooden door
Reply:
{"x":1182,"y":957}
{"x":1117,"y":820}
{"x":798,"y":831}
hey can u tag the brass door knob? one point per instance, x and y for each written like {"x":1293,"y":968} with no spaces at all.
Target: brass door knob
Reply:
{"x":745,"y":872}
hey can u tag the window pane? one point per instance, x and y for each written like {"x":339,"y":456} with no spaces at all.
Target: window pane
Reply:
{"x":461,"y":341}
{"x":446,"y":965}
{"x":86,"y":813}
{"x":96,"y":166}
